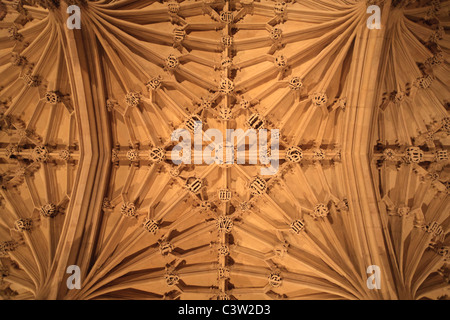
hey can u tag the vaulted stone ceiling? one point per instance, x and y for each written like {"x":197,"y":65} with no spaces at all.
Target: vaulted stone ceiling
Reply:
{"x":85,"y":149}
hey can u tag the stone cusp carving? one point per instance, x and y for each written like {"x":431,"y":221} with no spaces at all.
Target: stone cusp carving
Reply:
{"x":178,"y":34}
{"x":227,"y":41}
{"x":3,"y":10}
{"x":297,"y":226}
{"x":319,"y":99}
{"x":413,"y":155}
{"x":14,"y":35}
{"x":224,"y":195}
{"x":225,"y":113}
{"x":64,"y":155}
{"x":17,"y":59}
{"x":256,"y":121}
{"x":223,"y":273}
{"x":281,"y":61}
{"x":157,"y":155}
{"x":224,"y":224}
{"x":294,"y":154}
{"x":280,"y":8}
{"x":320,"y":211}
{"x":23,"y":224}
{"x":133,"y":155}
{"x":132,"y":99}
{"x":224,"y":250}
{"x":150,"y":225}
{"x":424,"y":82}
{"x":194,"y":185}
{"x":258,"y":186}
{"x":276,"y":33}
{"x":295,"y":83}
{"x":172,"y":62}
{"x":318,"y":154}
{"x":275,"y":280}
{"x":434,"y":228}
{"x":52,"y":97}
{"x":154,"y":83}
{"x":48,"y":210}
{"x":128,"y":209}
{"x":32,"y":80}
{"x":226,"y":17}
{"x":171,"y":279}
{"x":226,"y":86}
{"x":193,"y":122}
{"x":7,"y":246}
{"x":165,"y":247}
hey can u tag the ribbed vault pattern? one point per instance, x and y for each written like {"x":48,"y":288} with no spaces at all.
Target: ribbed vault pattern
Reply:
{"x":107,"y":98}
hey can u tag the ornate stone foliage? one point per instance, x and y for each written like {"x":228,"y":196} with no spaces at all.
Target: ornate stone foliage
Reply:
{"x":227,"y":41}
{"x":223,"y":273}
{"x":389,"y":154}
{"x":111,"y":104}
{"x":106,"y":205}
